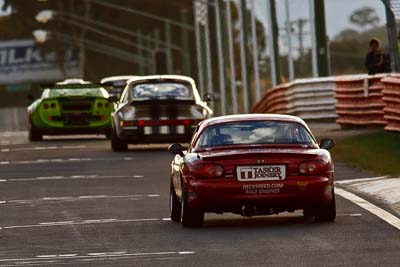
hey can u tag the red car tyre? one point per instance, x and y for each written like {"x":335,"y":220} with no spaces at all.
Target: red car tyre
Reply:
{"x":326,"y":213}
{"x":190,"y":217}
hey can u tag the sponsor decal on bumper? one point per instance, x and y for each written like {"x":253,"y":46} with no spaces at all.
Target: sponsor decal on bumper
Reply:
{"x":261,"y":173}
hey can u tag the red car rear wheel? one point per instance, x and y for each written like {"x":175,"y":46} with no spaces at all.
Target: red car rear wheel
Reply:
{"x":326,"y":213}
{"x":190,"y":217}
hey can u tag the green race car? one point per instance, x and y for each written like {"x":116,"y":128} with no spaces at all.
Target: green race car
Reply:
{"x":70,"y":107}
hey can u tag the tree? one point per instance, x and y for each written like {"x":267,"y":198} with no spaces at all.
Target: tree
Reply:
{"x":364,"y":17}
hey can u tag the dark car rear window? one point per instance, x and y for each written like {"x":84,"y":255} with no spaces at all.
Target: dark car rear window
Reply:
{"x":165,"y":90}
{"x":254,"y":132}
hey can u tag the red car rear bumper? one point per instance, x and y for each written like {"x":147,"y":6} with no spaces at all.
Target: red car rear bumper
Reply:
{"x":229,"y":195}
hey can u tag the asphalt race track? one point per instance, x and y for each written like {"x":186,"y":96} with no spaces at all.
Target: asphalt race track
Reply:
{"x":75,"y":202}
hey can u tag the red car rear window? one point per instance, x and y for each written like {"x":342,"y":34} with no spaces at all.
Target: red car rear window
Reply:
{"x":254,"y":132}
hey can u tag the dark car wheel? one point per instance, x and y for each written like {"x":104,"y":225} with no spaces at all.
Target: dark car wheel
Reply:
{"x":174,"y":205}
{"x":34,"y":134}
{"x":117,"y":144}
{"x":108,"y":134}
{"x":190,"y":217}
{"x":326,"y":213}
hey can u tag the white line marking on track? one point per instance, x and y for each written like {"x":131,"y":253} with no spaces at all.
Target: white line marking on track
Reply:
{"x":3,"y":180}
{"x":46,"y":256}
{"x":56,"y":198}
{"x":56,"y":223}
{"x":68,"y":255}
{"x":68,"y":223}
{"x":46,"y":200}
{"x":40,"y":148}
{"x":73,"y":177}
{"x":384,"y":215}
{"x":117,"y":252}
{"x":97,"y":254}
{"x":93,"y":255}
{"x":361,"y":180}
{"x":350,"y":215}
{"x":67,"y":160}
{"x":185,"y":252}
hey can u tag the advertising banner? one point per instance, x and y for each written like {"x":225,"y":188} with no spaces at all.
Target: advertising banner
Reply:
{"x":21,"y":61}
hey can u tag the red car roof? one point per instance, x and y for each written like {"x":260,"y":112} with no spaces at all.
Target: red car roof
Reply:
{"x":252,"y":117}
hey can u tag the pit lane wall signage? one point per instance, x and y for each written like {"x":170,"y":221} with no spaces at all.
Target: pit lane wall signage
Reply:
{"x":21,"y":61}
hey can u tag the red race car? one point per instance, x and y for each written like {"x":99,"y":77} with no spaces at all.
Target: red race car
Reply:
{"x":255,"y":164}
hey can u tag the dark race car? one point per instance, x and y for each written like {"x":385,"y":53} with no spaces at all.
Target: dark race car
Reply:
{"x":157,"y":109}
{"x":255,"y":164}
{"x":116,"y":84}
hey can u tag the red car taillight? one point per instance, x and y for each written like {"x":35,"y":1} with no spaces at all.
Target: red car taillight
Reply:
{"x":207,"y":170}
{"x":313,"y":167}
{"x":46,"y":106}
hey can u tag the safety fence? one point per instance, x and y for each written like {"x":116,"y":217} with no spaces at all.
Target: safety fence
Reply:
{"x":353,"y":100}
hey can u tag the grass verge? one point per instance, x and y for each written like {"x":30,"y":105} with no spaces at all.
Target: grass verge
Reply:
{"x":378,"y":152}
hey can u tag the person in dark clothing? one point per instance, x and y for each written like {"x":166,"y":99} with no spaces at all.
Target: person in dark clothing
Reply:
{"x":375,"y":59}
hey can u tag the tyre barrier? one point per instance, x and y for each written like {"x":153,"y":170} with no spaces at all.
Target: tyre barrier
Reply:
{"x":274,"y":101}
{"x":359,"y":100}
{"x":391,"y":98}
{"x":312,"y":99}
{"x":353,"y":100}
{"x":309,"y":99}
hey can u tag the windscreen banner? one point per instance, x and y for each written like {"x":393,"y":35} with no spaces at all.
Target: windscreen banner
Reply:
{"x":21,"y":61}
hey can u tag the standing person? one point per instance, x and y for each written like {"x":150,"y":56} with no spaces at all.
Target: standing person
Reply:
{"x":375,"y":59}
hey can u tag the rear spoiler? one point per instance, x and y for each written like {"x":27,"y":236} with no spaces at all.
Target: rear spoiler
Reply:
{"x":76,"y":86}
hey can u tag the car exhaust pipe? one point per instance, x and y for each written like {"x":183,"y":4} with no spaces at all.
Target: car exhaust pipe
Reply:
{"x":248,"y":210}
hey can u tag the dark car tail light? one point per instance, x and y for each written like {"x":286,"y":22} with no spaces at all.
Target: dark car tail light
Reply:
{"x":53,"y":105}
{"x":99,"y":104}
{"x":313,"y":167}
{"x":185,"y":122}
{"x":127,"y":123}
{"x":207,"y":170}
{"x":46,"y":106}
